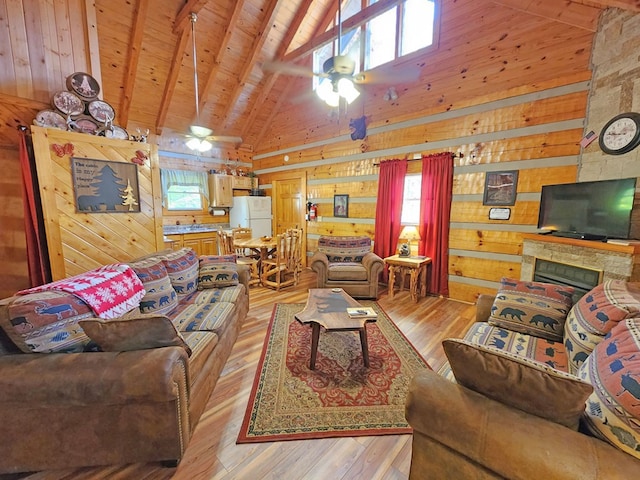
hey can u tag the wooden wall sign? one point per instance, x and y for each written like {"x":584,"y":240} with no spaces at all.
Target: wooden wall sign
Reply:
{"x":105,"y":187}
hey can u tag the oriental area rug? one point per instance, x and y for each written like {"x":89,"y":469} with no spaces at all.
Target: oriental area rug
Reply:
{"x":340,"y":398}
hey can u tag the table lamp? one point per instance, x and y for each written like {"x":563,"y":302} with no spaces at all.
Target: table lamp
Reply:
{"x":409,"y":232}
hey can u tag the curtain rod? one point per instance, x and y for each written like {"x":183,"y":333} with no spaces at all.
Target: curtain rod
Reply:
{"x":454,"y":155}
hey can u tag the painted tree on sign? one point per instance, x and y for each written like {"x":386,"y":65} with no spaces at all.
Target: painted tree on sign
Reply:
{"x":128,"y":198}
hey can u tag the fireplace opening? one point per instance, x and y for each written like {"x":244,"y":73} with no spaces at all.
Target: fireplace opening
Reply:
{"x":580,"y":278}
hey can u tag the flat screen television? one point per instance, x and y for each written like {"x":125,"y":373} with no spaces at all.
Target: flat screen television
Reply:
{"x":591,"y":210}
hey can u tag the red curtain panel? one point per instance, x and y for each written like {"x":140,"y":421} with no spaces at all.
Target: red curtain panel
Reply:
{"x":37,"y":257}
{"x":389,"y":208}
{"x":435,"y":213}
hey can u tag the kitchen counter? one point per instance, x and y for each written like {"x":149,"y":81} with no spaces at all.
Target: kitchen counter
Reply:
{"x":193,"y":228}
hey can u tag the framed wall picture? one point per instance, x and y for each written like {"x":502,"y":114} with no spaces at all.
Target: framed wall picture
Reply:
{"x":500,"y":188}
{"x":101,"y":186}
{"x":341,"y":206}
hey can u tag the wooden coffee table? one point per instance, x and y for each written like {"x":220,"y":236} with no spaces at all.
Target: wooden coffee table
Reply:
{"x":327,"y":307}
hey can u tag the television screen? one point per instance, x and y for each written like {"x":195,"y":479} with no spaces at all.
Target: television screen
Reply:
{"x":597,"y":210}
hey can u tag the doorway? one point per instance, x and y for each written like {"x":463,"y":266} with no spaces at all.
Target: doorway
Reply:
{"x":289,"y":194}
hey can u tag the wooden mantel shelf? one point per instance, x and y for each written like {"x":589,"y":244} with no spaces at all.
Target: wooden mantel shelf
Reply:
{"x":610,"y":247}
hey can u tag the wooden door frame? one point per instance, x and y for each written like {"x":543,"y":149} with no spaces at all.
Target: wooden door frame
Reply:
{"x":301,"y":176}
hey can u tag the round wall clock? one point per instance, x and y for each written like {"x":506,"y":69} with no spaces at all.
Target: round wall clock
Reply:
{"x":621,"y":134}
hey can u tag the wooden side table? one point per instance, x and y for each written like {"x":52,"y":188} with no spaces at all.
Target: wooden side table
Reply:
{"x":416,"y":267}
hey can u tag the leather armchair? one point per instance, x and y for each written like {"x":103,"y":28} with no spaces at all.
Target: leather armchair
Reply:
{"x":347,"y":263}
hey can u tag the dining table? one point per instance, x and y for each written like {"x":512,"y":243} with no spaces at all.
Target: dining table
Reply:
{"x":262,"y":246}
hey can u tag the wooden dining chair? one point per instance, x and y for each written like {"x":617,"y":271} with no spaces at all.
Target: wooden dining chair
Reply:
{"x":244,"y":233}
{"x":284,"y":268}
{"x":227,"y":248}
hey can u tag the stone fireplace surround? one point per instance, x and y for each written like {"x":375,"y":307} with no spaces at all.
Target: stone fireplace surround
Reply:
{"x":611,"y":261}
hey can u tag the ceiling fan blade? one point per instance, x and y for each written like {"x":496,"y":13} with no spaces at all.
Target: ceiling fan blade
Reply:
{"x":285,"y":68}
{"x":224,"y":139}
{"x":405,"y":74}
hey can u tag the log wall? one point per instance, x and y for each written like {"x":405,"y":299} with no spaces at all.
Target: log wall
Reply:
{"x":505,"y":90}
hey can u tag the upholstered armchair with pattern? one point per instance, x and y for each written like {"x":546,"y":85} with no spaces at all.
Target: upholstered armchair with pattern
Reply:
{"x":347,"y":263}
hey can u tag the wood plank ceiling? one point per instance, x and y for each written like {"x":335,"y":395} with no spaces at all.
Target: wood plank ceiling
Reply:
{"x":147,"y":71}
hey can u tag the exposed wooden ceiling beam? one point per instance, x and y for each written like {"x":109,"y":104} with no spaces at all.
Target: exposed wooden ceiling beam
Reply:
{"x":249,"y":63}
{"x":222,"y":49}
{"x":135,"y":46}
{"x":352,"y":22}
{"x":285,"y":93}
{"x":270,"y":79}
{"x":184,"y":15}
{"x":568,"y":13}
{"x":172,"y":79}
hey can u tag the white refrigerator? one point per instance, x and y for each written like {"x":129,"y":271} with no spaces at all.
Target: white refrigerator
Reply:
{"x":252,"y":212}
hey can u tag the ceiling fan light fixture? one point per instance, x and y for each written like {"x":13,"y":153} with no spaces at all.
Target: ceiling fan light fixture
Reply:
{"x":199,"y":131}
{"x":347,"y":89}
{"x":327,"y":93}
{"x":199,"y":145}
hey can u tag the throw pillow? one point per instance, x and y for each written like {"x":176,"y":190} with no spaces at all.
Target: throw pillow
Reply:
{"x":344,"y":249}
{"x":214,"y":275}
{"x":613,"y":410}
{"x":182,"y":266}
{"x":47,"y":322}
{"x":534,"y":308}
{"x":133,"y":333}
{"x":595,"y":314}
{"x":160,"y":297}
{"x":217,"y":259}
{"x":516,"y":381}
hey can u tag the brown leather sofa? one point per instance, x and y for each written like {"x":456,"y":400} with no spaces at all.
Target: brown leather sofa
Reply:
{"x":347,"y":263}
{"x":461,"y":434}
{"x":67,"y":410}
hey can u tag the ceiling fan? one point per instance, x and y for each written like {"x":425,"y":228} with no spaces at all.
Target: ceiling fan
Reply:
{"x":202,"y":138}
{"x":338,"y":74}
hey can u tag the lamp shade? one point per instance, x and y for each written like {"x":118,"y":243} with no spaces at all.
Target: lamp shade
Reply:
{"x":410,"y":232}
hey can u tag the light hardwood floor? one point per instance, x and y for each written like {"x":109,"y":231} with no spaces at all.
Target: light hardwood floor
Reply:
{"x":213,"y":453}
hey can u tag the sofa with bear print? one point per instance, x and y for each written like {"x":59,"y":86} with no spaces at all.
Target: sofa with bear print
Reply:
{"x":78,"y":389}
{"x":537,"y":388}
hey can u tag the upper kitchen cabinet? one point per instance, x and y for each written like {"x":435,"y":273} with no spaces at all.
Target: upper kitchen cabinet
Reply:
{"x":221,"y":190}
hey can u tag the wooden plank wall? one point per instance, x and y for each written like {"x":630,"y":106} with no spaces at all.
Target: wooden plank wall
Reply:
{"x":507,"y":90}
{"x":47,"y":41}
{"x":81,"y":241}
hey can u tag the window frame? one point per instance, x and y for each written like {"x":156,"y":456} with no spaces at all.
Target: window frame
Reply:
{"x":184,"y":178}
{"x":362,"y":24}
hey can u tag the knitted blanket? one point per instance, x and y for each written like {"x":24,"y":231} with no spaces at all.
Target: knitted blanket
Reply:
{"x":110,"y":291}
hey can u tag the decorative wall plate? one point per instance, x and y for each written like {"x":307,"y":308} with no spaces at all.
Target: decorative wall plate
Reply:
{"x":116,"y":132}
{"x":68,"y":103}
{"x":83,"y":85}
{"x":84,"y":124}
{"x":50,"y":119}
{"x":101,"y":111}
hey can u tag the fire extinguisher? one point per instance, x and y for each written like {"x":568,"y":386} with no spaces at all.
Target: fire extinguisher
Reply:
{"x":313,"y":212}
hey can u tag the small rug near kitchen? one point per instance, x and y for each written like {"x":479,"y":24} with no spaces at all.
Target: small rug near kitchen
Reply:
{"x":340,"y":398}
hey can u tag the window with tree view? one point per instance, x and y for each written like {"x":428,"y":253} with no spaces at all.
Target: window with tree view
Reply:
{"x":184,"y":190}
{"x":404,"y":27}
